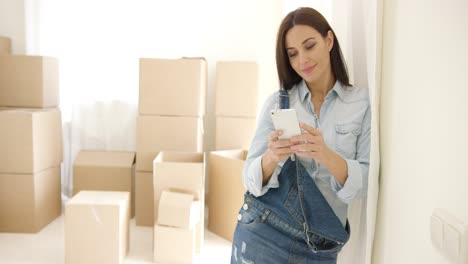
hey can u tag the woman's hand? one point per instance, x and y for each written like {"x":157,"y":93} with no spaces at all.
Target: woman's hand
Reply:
{"x":278,"y":150}
{"x":310,"y":144}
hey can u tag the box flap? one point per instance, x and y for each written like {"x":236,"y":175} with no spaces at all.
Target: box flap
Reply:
{"x":105,"y":158}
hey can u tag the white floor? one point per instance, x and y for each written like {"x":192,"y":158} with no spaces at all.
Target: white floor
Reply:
{"x":47,"y":246}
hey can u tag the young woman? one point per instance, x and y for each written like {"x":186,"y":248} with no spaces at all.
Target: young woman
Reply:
{"x":298,"y":189}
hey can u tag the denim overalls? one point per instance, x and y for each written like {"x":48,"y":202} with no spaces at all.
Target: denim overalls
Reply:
{"x":290,"y":224}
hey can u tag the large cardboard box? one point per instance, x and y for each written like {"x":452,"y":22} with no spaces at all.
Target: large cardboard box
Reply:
{"x":29,"y":81}
{"x":144,"y":199}
{"x":30,"y":140}
{"x":5,"y":46}
{"x":181,"y":171}
{"x":105,"y":171}
{"x":236,"y":88}
{"x":234,"y":132}
{"x":172,"y":133}
{"x":178,"y":209}
{"x":226,"y":191}
{"x":173,"y":87}
{"x":173,"y":245}
{"x":29,"y":202}
{"x":97,"y":227}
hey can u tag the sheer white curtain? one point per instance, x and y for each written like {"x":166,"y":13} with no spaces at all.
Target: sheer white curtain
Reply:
{"x":98,"y":44}
{"x":358,"y":25}
{"x":98,"y":81}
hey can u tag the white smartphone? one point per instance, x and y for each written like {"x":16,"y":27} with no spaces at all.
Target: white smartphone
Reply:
{"x":286,"y":120}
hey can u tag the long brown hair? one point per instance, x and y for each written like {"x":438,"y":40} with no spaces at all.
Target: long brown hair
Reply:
{"x":310,"y":17}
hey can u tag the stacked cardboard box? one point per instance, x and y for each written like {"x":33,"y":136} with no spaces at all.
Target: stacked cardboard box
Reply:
{"x":171,"y":113}
{"x":175,"y":231}
{"x":29,"y":81}
{"x":236,"y":101}
{"x":30,"y":143}
{"x":97,"y":227}
{"x":226,"y":190}
{"x":5,"y":45}
{"x":179,"y":172}
{"x":105,"y":171}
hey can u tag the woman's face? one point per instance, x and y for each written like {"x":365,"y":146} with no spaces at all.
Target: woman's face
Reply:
{"x":308,"y":52}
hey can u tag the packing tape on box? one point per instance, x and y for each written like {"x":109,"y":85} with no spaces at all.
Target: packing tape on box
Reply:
{"x":95,"y":214}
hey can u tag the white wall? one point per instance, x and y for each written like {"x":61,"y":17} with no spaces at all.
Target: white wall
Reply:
{"x":424,"y":125}
{"x":12,"y":24}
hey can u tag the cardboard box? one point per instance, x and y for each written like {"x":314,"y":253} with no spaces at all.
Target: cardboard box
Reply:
{"x":237,"y":86}
{"x":97,"y":227}
{"x":29,"y":202}
{"x":5,"y":45}
{"x":181,"y":171}
{"x":29,"y":81}
{"x":226,"y":191}
{"x":178,"y":209}
{"x":144,"y":199}
{"x":173,"y":87}
{"x":105,"y":171}
{"x":234,"y":132}
{"x":158,"y":133}
{"x":173,"y":245}
{"x":30,"y":140}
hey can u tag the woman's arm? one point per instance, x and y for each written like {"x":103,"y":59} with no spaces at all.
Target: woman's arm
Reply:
{"x":266,"y":151}
{"x":350,"y":176}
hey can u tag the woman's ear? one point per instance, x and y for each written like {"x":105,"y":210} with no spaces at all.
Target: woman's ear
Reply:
{"x":329,"y":40}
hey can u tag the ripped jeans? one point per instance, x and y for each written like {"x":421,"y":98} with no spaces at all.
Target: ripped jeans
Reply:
{"x":290,"y":224}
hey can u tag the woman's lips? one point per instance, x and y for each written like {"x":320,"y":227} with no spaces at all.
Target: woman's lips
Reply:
{"x":308,"y":69}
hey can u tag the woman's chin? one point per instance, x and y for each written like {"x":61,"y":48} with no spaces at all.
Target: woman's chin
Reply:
{"x":309,"y":79}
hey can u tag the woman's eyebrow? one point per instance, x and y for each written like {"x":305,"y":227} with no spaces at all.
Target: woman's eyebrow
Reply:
{"x":303,"y":42}
{"x":307,"y":40}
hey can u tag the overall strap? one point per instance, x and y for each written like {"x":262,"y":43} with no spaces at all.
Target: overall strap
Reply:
{"x":322,"y":220}
{"x":283,"y":99}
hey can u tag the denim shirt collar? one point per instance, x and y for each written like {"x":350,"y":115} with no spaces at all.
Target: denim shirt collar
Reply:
{"x":304,"y":92}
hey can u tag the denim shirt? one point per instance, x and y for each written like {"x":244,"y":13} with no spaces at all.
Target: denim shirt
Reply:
{"x":345,"y":119}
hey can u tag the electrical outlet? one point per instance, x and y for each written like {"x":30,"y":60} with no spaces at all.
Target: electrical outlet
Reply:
{"x":437,"y":231}
{"x":450,"y":236}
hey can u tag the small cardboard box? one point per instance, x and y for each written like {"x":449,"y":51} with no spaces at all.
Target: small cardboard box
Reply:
{"x":30,"y":140}
{"x":226,"y":191}
{"x":97,"y":227}
{"x":5,"y":45}
{"x":178,"y":209}
{"x":29,"y":81}
{"x":175,"y":87}
{"x":105,"y":171}
{"x":234,"y":132}
{"x":236,"y":88}
{"x":181,"y":171}
{"x":29,"y":202}
{"x":144,"y":199}
{"x":172,"y":133}
{"x":173,"y":245}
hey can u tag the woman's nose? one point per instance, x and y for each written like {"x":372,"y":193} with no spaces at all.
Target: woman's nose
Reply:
{"x":303,"y":59}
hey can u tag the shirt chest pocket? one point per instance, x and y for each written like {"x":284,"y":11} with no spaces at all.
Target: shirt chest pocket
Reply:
{"x":346,"y":139}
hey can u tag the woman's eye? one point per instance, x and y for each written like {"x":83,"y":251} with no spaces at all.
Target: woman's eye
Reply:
{"x":308,"y":47}
{"x":291,"y":54}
